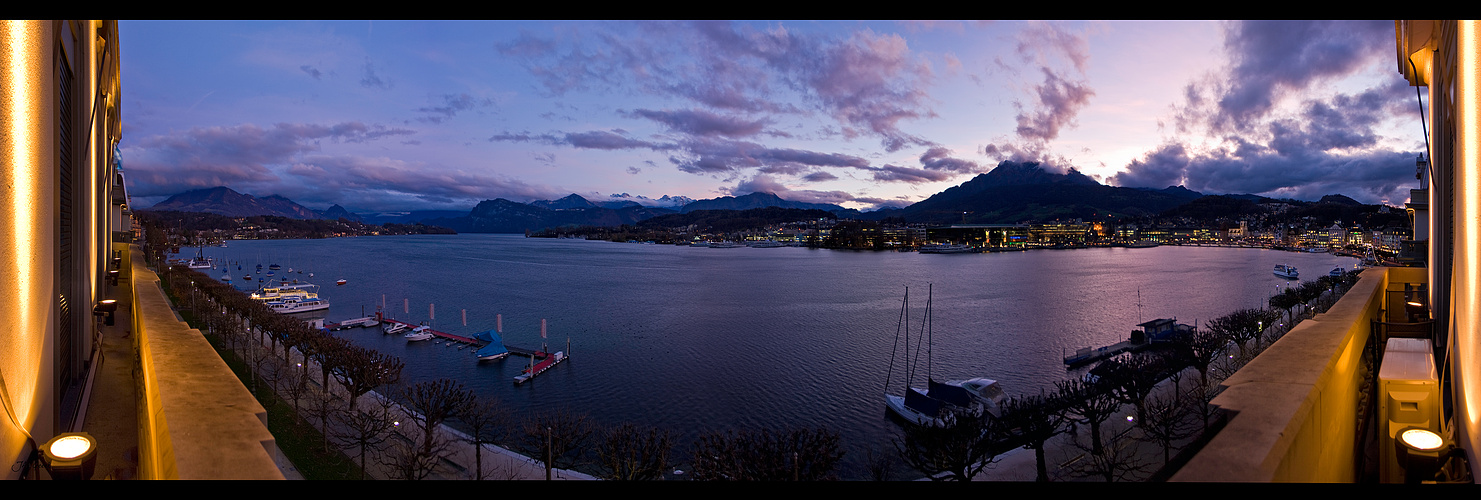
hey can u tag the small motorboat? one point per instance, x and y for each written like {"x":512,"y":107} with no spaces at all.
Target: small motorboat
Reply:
{"x":340,"y":282}
{"x":1287,"y":272}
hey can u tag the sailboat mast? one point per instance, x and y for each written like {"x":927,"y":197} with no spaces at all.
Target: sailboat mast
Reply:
{"x":930,"y":338}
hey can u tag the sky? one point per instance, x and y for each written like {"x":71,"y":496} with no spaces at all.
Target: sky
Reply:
{"x":415,"y":115}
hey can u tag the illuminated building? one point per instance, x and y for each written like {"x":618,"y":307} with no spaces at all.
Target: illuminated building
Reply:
{"x":64,"y":231}
{"x":1298,"y":412}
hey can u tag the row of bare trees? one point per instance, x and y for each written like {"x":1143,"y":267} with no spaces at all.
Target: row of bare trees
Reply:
{"x":963,"y":443}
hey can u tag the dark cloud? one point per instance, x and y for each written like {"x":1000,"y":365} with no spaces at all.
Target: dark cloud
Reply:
{"x":233,"y":156}
{"x":869,"y":83}
{"x":598,"y":139}
{"x":819,"y":177}
{"x":702,"y":123}
{"x":350,"y":179}
{"x":1307,"y":174}
{"x":1273,"y":59}
{"x":704,"y":156}
{"x":1059,"y":101}
{"x":452,"y":105}
{"x":1055,"y":101}
{"x":762,"y":183}
{"x":314,"y":72}
{"x":891,"y":173}
{"x":939,"y":158}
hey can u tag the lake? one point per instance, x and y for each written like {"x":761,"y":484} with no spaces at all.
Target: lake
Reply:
{"x":704,"y":339}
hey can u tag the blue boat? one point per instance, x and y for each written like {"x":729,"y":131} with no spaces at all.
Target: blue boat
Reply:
{"x":495,"y":348}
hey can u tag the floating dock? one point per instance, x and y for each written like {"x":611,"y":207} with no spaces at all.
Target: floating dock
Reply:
{"x":548,"y":361}
{"x":352,"y":323}
{"x":443,"y":335}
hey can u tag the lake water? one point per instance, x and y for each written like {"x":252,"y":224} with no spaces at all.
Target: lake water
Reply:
{"x":701,"y":339}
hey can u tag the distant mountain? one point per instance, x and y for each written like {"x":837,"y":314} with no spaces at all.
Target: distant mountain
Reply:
{"x":1339,"y":199}
{"x":504,"y":216}
{"x":755,"y":200}
{"x":224,"y":201}
{"x":574,"y":201}
{"x":1024,"y":192}
{"x":337,"y":212}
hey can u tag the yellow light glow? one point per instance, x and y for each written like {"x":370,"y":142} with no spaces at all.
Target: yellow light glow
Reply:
{"x":1467,"y":271}
{"x":70,"y":447}
{"x":1421,"y":439}
{"x":22,"y":102}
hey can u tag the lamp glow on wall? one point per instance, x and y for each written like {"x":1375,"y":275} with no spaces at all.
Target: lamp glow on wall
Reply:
{"x":70,"y":456}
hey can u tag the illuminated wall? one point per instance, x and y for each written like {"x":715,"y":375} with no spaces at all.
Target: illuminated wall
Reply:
{"x":1445,"y":57}
{"x":46,"y":345}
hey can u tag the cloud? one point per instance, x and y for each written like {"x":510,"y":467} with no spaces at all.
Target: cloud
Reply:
{"x":1059,"y":101}
{"x":314,"y":72}
{"x":369,"y":78}
{"x":597,"y":139}
{"x":353,"y":179}
{"x":819,"y":177}
{"x":703,"y":156}
{"x":1054,"y":102}
{"x":939,"y":158}
{"x":702,"y":123}
{"x":891,"y":173}
{"x":1271,"y":60}
{"x":234,"y":156}
{"x":868,"y":83}
{"x":452,"y":105}
{"x":1278,"y":131}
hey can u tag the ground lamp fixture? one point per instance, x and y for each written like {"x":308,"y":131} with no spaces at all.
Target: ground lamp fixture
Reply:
{"x":71,"y":455}
{"x":1422,"y":453}
{"x":106,"y":308}
{"x":1415,"y":310}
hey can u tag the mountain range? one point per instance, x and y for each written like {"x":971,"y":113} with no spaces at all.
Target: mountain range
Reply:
{"x":1012,"y":192}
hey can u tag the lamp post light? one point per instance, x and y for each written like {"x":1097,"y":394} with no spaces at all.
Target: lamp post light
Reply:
{"x":106,"y":308}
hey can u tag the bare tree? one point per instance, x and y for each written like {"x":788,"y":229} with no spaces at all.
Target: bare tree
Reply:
{"x":360,"y":370}
{"x":365,"y":429}
{"x":484,"y":418}
{"x":957,"y":448}
{"x":563,"y":437}
{"x":1089,"y":403}
{"x":767,"y":455}
{"x":630,"y":452}
{"x":1117,"y":461}
{"x":433,"y":403}
{"x":1166,"y":423}
{"x":1034,"y":420}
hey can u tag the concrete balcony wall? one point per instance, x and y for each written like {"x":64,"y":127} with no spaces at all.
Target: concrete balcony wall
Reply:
{"x":1295,"y":406}
{"x":196,"y":420}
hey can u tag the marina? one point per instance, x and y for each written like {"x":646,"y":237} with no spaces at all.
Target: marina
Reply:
{"x":797,"y":337}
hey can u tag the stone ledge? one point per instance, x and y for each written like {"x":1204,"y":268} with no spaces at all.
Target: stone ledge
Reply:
{"x":208,"y":426}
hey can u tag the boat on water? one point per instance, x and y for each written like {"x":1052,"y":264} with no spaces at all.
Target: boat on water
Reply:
{"x":765,"y":244}
{"x":285,"y":299}
{"x":934,"y":404}
{"x":391,"y":328}
{"x":274,"y":267}
{"x":200,"y":261}
{"x":1287,"y":272}
{"x":1143,"y":244}
{"x":1337,"y":272}
{"x":494,"y":349}
{"x":1317,"y":250}
{"x":724,"y":244}
{"x":700,"y":244}
{"x":944,"y":248}
{"x":423,"y":332}
{"x":340,"y":282}
{"x":226,"y":278}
